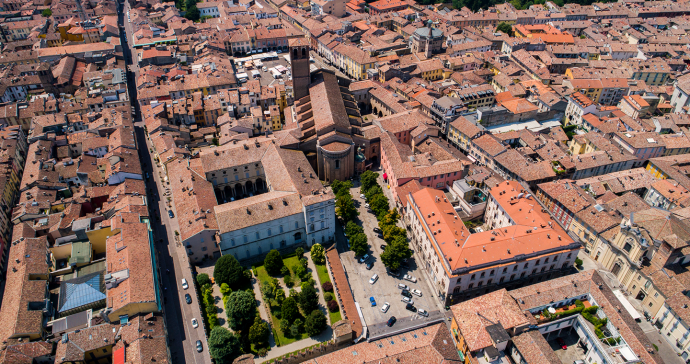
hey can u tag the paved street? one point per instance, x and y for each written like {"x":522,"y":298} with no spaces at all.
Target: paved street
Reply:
{"x":172,"y":259}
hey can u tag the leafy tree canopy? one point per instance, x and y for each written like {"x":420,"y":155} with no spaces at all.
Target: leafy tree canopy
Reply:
{"x":318,"y":255}
{"x":241,"y":309}
{"x":228,"y":270}
{"x":273,"y":262}
{"x":223,"y":345}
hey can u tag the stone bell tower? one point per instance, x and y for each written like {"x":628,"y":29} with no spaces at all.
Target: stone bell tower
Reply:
{"x":299,"y":59}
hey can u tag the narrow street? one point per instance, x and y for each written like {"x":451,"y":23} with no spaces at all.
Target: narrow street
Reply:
{"x":172,"y":259}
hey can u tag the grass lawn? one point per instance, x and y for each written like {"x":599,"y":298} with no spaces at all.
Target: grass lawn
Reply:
{"x":334,"y":316}
{"x":322,"y":271}
{"x":279,"y":336}
{"x":291,"y":263}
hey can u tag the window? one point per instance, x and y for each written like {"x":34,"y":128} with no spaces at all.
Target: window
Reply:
{"x":232,"y":241}
{"x":296,"y":225}
{"x":481,"y":275}
{"x":473,"y":277}
{"x":491,"y":273}
{"x":656,"y":295}
{"x":627,"y":247}
{"x":480,"y":284}
{"x":537,"y":262}
{"x":501,"y":280}
{"x":245,"y":238}
{"x":257,"y":235}
{"x":470,"y":286}
{"x":269,"y":232}
{"x":337,"y":164}
{"x":515,"y":268}
{"x":280,"y":228}
{"x":546,"y":260}
{"x":505,"y":270}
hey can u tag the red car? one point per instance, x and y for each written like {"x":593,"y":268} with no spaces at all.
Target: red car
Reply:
{"x":561,"y":342}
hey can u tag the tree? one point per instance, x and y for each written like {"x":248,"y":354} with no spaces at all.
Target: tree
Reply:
{"x":296,"y":327}
{"x":308,"y":299}
{"x":358,"y":244}
{"x":258,"y":332}
{"x":47,"y":13}
{"x":390,"y":232}
{"x":327,"y":287}
{"x":368,"y":179}
{"x":315,"y":323}
{"x":333,"y":306}
{"x":379,"y":204}
{"x":352,"y":229}
{"x":228,"y":270}
{"x":318,"y":255}
{"x":273,"y":262}
{"x":300,"y":252}
{"x":203,"y":279}
{"x":391,"y":218}
{"x":345,"y":208}
{"x":505,"y":28}
{"x":300,"y":270}
{"x":223,"y":345}
{"x":225,"y":289}
{"x":395,"y":253}
{"x":341,"y":188}
{"x":373,"y":191}
{"x":241,"y":309}
{"x":284,"y":326}
{"x":192,"y":13}
{"x":289,"y":310}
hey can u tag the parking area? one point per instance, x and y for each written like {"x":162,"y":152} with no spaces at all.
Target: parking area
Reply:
{"x":573,"y":352}
{"x":266,"y":77}
{"x":386,"y":288}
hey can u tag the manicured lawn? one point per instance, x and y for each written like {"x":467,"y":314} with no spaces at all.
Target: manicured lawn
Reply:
{"x":279,"y":336}
{"x":322,"y":271}
{"x":291,"y":263}
{"x":334,"y":316}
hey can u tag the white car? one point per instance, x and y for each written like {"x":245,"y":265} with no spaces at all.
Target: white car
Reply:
{"x":366,"y":205}
{"x":385,"y":307}
{"x":423,"y":312}
{"x":416,"y":292}
{"x":373,"y":279}
{"x":410,"y":278}
{"x":184,"y":284}
{"x":361,"y":195}
{"x":195,"y":324}
{"x":402,"y":286}
{"x":407,"y":300}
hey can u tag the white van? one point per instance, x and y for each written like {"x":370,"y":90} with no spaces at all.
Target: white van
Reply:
{"x":184,"y":284}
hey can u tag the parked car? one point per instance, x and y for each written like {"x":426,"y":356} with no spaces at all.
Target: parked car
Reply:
{"x":373,"y":279}
{"x":361,"y":195}
{"x":423,"y":312}
{"x":195,"y":323}
{"x":377,"y":230}
{"x":410,"y":278}
{"x":394,"y":273}
{"x":188,"y":298}
{"x":407,"y":300}
{"x":385,"y":307}
{"x":410,"y":307}
{"x":406,"y":293}
{"x":184,"y":284}
{"x":380,"y":236}
{"x":370,"y":265}
{"x":404,"y":264}
{"x":199,"y":347}
{"x":403,"y":286}
{"x":170,"y":213}
{"x":366,"y":205}
{"x":364,"y":258}
{"x":373,"y":301}
{"x":561,"y":343}
{"x":383,"y":246}
{"x":391,"y":321}
{"x":416,"y":292}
